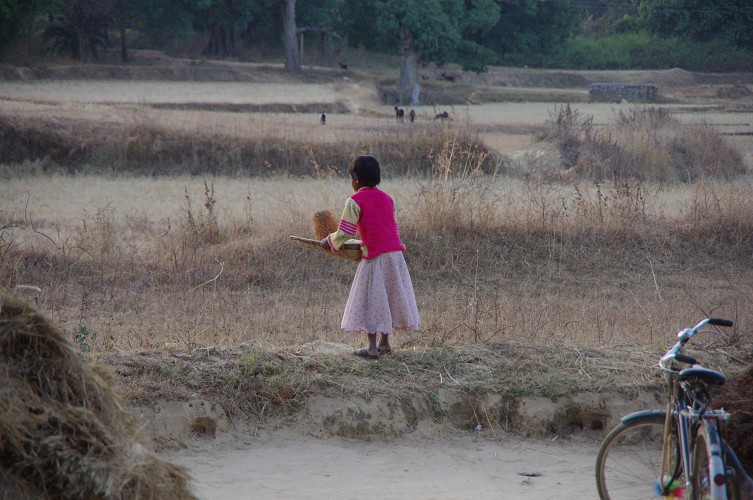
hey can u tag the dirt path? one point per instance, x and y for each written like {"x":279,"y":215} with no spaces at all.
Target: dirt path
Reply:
{"x":283,"y":466}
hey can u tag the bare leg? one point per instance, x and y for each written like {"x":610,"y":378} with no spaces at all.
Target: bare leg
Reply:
{"x":384,"y":343}
{"x":373,"y":351}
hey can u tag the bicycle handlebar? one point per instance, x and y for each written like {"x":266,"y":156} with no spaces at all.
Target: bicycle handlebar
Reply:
{"x":720,"y":322}
{"x":684,"y":336}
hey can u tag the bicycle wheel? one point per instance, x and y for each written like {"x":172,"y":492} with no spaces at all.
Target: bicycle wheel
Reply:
{"x":629,"y":459}
{"x":709,"y":474}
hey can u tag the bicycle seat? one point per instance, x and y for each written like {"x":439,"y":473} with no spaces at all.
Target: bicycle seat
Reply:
{"x":711,"y":377}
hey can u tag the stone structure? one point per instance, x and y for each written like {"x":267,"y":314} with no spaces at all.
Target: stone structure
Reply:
{"x":617,"y":92}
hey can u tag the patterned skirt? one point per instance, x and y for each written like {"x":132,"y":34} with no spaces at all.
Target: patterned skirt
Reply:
{"x":381,"y":298}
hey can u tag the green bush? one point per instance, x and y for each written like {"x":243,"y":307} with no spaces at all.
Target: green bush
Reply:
{"x":644,"y":51}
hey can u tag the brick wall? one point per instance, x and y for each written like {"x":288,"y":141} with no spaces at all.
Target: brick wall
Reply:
{"x":616,"y":92}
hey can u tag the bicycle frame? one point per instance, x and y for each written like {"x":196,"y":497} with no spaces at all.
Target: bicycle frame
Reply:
{"x":686,"y":414}
{"x":676,"y":417}
{"x":657,"y":447}
{"x":686,"y":420}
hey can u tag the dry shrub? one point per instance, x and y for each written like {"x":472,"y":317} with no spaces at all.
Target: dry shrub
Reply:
{"x":458,"y":194}
{"x":456,"y":204}
{"x":142,"y":148}
{"x":619,"y":205}
{"x":646,"y":144}
{"x":203,"y":225}
{"x":721,"y":214}
{"x":65,"y":431}
{"x":700,"y":152}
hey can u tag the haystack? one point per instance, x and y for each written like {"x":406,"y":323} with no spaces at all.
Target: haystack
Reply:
{"x":736,"y":396}
{"x":64,"y":431}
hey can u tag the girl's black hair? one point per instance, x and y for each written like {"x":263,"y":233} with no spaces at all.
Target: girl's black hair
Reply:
{"x":366,"y":169}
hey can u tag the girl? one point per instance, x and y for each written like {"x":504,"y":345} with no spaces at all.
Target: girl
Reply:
{"x":381,"y":298}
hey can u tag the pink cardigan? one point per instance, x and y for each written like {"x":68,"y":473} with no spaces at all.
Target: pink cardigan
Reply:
{"x":372,"y":213}
{"x":377,"y":226}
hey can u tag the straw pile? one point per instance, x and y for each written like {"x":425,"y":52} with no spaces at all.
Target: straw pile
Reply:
{"x":64,"y":432}
{"x":323,"y":224}
{"x":736,"y":396}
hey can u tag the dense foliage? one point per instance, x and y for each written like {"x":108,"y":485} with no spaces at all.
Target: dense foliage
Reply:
{"x":603,"y":34}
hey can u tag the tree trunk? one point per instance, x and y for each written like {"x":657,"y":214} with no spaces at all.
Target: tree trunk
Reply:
{"x":290,"y":31}
{"x":83,"y":46}
{"x":334,"y":50}
{"x":325,"y":46}
{"x":123,"y":47}
{"x":408,"y":65}
{"x":221,"y":43}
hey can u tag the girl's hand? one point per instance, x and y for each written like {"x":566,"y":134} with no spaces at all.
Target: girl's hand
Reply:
{"x":325,"y":244}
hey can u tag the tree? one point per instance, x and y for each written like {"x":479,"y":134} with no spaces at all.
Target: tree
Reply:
{"x":427,"y":31}
{"x":528,"y":30}
{"x":607,"y":17}
{"x":16,"y":19}
{"x":700,"y":20}
{"x":223,"y":22}
{"x":290,"y":38}
{"x":79,"y":27}
{"x":327,"y":19}
{"x":165,"y":22}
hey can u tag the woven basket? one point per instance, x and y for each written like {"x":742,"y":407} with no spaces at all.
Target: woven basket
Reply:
{"x":323,"y":223}
{"x":351,"y":249}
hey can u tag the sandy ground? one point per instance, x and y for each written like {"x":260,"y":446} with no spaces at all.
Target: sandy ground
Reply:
{"x":281,"y":466}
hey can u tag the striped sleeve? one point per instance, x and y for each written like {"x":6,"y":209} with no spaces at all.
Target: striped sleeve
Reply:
{"x":346,"y":229}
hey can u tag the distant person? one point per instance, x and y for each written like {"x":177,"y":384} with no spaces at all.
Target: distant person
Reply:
{"x":381,"y":297}
{"x":412,"y":115}
{"x":324,"y":118}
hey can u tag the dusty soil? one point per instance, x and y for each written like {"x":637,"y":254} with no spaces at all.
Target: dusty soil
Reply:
{"x":288,"y":465}
{"x":494,"y":421}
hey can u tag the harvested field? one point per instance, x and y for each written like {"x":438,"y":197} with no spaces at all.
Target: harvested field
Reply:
{"x":545,"y":299}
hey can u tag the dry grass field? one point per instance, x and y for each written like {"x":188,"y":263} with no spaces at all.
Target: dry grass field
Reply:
{"x":506,"y":252}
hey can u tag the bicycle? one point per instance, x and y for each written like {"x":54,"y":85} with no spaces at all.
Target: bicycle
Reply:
{"x":677,"y":452}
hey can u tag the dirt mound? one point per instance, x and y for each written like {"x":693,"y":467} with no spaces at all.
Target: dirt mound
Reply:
{"x":737,"y":398}
{"x":65,"y":432}
{"x":169,"y":69}
{"x":310,"y":107}
{"x":734,"y":91}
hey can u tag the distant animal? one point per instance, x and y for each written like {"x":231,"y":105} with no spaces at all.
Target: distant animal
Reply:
{"x":447,"y":76}
{"x":412,"y":115}
{"x":444,"y":115}
{"x":343,"y":66}
{"x":324,"y":118}
{"x":400,"y":114}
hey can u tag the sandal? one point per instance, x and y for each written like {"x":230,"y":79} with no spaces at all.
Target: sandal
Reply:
{"x":364,"y":353}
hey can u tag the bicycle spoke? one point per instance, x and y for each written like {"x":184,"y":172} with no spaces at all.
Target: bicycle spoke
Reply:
{"x":629,"y":460}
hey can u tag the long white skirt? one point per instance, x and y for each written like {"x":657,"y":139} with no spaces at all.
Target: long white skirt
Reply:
{"x":381,"y":298}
